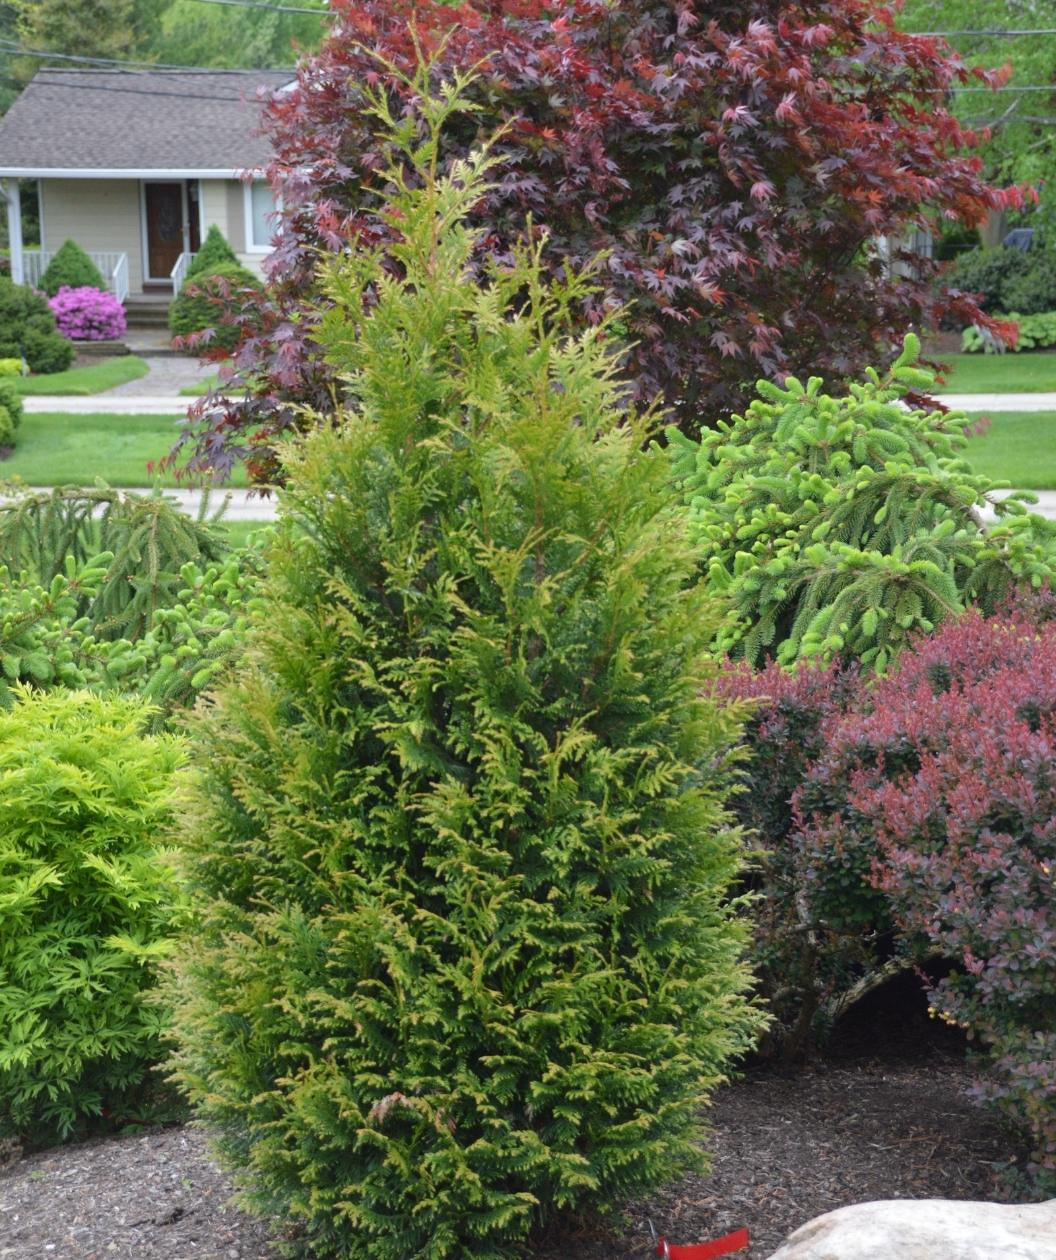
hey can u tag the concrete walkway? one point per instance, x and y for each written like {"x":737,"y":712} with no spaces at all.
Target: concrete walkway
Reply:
{"x":166,"y":377}
{"x":112,"y":404}
{"x":120,"y":402}
{"x":242,"y":505}
{"x":999,"y":402}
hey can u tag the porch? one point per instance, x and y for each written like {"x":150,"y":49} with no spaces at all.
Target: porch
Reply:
{"x":113,"y":267}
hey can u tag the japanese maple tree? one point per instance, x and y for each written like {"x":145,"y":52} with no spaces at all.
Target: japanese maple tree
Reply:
{"x":751,"y":171}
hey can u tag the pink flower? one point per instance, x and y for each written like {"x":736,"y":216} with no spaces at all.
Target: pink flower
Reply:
{"x":87,"y":314}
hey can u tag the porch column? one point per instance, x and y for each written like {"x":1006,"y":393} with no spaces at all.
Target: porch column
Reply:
{"x":13,"y":197}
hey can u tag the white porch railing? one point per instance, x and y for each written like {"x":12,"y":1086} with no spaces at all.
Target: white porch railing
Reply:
{"x":179,"y":272}
{"x":113,"y":266}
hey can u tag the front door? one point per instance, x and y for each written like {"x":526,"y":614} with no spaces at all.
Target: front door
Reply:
{"x":163,"y":205}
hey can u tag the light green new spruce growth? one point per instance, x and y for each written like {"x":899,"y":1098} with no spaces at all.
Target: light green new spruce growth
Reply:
{"x":462,"y":955}
{"x":87,"y":908}
{"x":841,"y":526}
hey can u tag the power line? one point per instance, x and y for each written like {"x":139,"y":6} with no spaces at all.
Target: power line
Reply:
{"x":16,"y":49}
{"x":269,"y":8}
{"x":995,"y":33}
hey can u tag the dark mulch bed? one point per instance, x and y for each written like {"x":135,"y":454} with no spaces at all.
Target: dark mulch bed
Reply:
{"x":785,"y":1148}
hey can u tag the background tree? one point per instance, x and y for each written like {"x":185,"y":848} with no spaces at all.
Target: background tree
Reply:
{"x":85,"y":28}
{"x":1021,"y":147}
{"x":190,"y":33}
{"x":738,"y":166}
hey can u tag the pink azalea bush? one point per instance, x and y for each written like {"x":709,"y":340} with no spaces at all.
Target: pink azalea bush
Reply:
{"x":87,"y":314}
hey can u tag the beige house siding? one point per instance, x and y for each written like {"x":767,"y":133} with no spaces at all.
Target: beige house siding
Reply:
{"x":106,"y":214}
{"x":236,"y":221}
{"x":213,"y":195}
{"x":97,"y":214}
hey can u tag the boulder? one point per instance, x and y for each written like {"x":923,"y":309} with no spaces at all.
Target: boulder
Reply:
{"x":927,"y":1229}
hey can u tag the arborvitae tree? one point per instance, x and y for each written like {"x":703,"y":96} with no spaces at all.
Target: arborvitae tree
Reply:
{"x":72,"y":267}
{"x":840,"y":526}
{"x":461,"y":955}
{"x":215,"y":251}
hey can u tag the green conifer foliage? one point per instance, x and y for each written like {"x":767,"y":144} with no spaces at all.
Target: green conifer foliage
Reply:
{"x":72,"y":267}
{"x":215,"y":251}
{"x":456,"y":842}
{"x":841,"y":526}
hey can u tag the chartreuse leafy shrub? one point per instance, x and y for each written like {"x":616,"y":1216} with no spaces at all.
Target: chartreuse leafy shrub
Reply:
{"x":71,"y":268}
{"x":1036,"y":332}
{"x":88,"y":905}
{"x":209,"y":300}
{"x":10,"y":411}
{"x":929,"y":815}
{"x":10,"y":367}
{"x":214,"y":252}
{"x":456,"y":843}
{"x":27,"y":328}
{"x":839,"y":527}
{"x":87,"y":314}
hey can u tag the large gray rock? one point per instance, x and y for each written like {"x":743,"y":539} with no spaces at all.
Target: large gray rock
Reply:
{"x":927,"y":1229}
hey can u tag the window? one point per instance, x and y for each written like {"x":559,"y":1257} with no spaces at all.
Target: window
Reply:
{"x":260,"y":206}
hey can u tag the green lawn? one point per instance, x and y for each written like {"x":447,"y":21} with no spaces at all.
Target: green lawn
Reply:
{"x":1019,"y":446}
{"x":58,"y":450}
{"x":197,"y":388}
{"x":1000,"y":374}
{"x":105,"y":374}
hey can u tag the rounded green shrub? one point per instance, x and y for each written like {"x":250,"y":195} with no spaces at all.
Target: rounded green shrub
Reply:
{"x":71,"y":267}
{"x":10,"y":367}
{"x":11,"y":400}
{"x":463,"y":956}
{"x":1034,"y":291}
{"x":10,"y":411}
{"x":988,"y":272}
{"x":215,"y":252}
{"x":27,"y":327}
{"x":88,"y":907}
{"x":7,"y":430}
{"x":203,"y":301}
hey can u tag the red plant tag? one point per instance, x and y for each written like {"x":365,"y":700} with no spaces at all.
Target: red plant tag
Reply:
{"x":724,"y":1246}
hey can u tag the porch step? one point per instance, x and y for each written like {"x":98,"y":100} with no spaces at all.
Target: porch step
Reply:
{"x":152,"y":315}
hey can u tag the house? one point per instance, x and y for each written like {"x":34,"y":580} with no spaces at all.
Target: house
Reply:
{"x":135,"y":166}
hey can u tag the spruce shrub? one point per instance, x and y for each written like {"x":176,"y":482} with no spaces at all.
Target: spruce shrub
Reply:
{"x":837,"y":527}
{"x":215,"y":251}
{"x":160,"y":614}
{"x":71,"y":268}
{"x":27,"y":328}
{"x":88,"y":909}
{"x":209,"y":300}
{"x":456,"y":841}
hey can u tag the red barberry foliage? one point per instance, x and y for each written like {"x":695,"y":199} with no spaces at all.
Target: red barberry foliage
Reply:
{"x":737,"y":162}
{"x":938,"y":797}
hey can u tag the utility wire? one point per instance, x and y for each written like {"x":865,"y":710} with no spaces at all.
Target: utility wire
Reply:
{"x":16,"y":49}
{"x":995,"y":33}
{"x":269,"y":8}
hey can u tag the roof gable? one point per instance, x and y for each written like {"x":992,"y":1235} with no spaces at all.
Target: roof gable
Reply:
{"x":138,"y":121}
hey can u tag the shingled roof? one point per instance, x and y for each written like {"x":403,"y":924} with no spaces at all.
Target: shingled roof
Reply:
{"x":182,"y":122}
